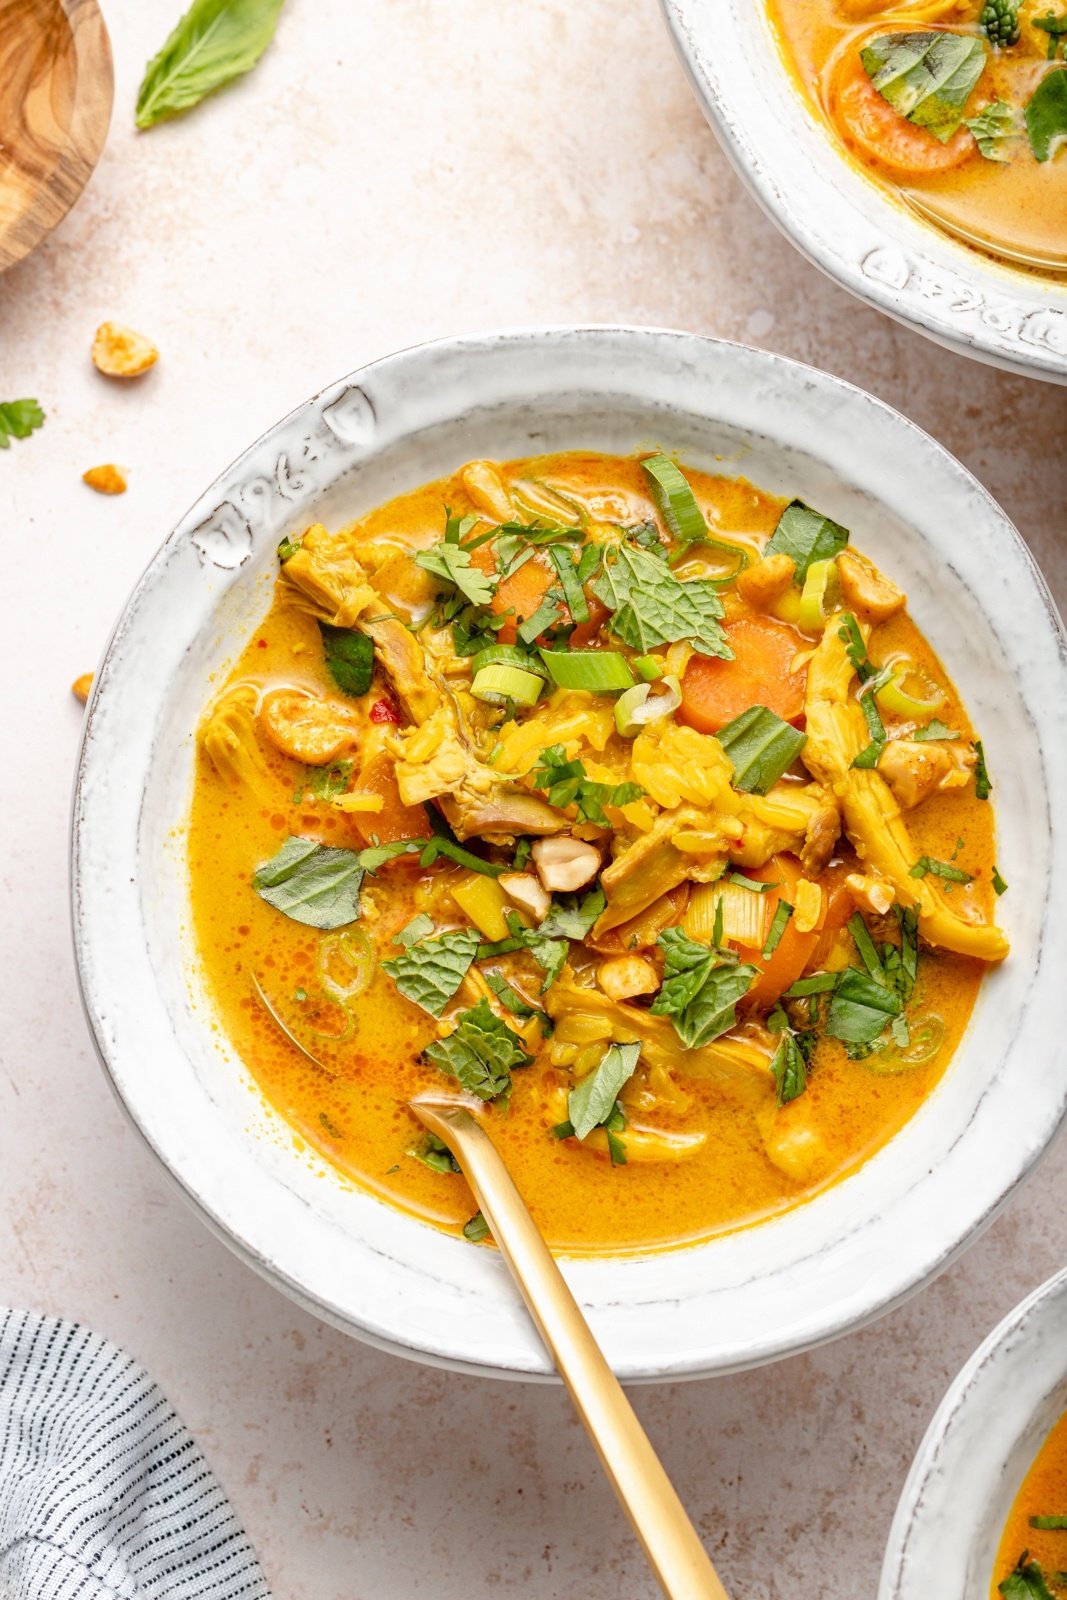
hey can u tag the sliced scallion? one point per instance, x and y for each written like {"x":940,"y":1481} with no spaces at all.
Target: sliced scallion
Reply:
{"x":638,"y":707}
{"x":675,"y":500}
{"x":496,"y":684}
{"x":813,"y":599}
{"x":892,"y":696}
{"x":573,"y":592}
{"x":597,"y":671}
{"x":648,"y":668}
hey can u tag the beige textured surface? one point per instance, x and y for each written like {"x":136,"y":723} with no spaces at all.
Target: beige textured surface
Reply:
{"x":396,"y":170}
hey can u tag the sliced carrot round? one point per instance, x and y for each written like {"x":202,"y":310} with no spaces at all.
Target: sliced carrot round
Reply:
{"x":395,"y":820}
{"x":714,"y":692}
{"x":869,"y":125}
{"x":793,"y":951}
{"x":521,"y":593}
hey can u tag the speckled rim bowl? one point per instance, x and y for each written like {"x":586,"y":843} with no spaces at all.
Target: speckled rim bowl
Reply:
{"x":841,"y":219}
{"x":831,"y":1265}
{"x":977,"y":1450}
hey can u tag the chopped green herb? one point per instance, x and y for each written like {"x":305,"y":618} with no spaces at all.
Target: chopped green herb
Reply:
{"x":1046,"y":114}
{"x":999,"y":884}
{"x":18,"y":419}
{"x":324,"y":783}
{"x":782,"y":913}
{"x":1056,"y":28}
{"x":860,"y":1008}
{"x":414,"y":930}
{"x":512,"y":1000}
{"x":935,"y":730}
{"x":522,"y":855}
{"x":865,"y":945}
{"x":480,"y":1053}
{"x":995,"y":128}
{"x":1027,"y":1582}
{"x":435,"y":1154}
{"x":476,"y":1229}
{"x":349,"y":658}
{"x":300,"y":995}
{"x":328,"y":1123}
{"x":789,"y":1068}
{"x":571,"y":916}
{"x":566,"y":784}
{"x":818,"y":983}
{"x":675,"y":500}
{"x":376,"y":856}
{"x":1049,"y":1524}
{"x":939,"y":869}
{"x":213,"y":43}
{"x":312,"y":883}
{"x":701,"y":988}
{"x":652,"y":608}
{"x":761,"y":747}
{"x":592,"y":1101}
{"x":756,"y":886}
{"x":452,"y":562}
{"x":573,"y":593}
{"x":430,"y":971}
{"x":983,"y":788}
{"x":928,"y":77}
{"x":805,"y":536}
{"x":546,"y":615}
{"x":288,"y":548}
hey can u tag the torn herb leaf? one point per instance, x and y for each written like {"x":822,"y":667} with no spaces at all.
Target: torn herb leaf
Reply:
{"x":652,"y":608}
{"x":782,"y":913}
{"x":701,"y":988}
{"x":928,"y":77}
{"x":476,"y":1229}
{"x":435,"y":1154}
{"x":789,"y":1069}
{"x":983,"y":788}
{"x":414,"y":930}
{"x":805,"y":536}
{"x":571,"y":916}
{"x":480,"y":1053}
{"x":312,"y":883}
{"x":592,"y":1101}
{"x":1046,"y":114}
{"x":430,"y":971}
{"x":860,"y":1008}
{"x":999,"y":884}
{"x":930,"y":866}
{"x":349,"y":658}
{"x":994,"y":128}
{"x":566,"y":784}
{"x":935,"y":729}
{"x":452,"y":563}
{"x":1027,"y":1582}
{"x":761,"y":747}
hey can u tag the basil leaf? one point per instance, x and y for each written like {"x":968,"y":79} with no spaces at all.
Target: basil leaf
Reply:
{"x":929,"y":865}
{"x":479,"y":1053}
{"x":214,"y":42}
{"x":1050,"y":1524}
{"x":1027,"y":1582}
{"x":573,"y":593}
{"x":546,"y":616}
{"x":865,"y":945}
{"x":927,"y":77}
{"x":701,"y":988}
{"x":782,"y":913}
{"x":805,"y":536}
{"x":476,"y":1228}
{"x":436,"y":1155}
{"x":994,"y":129}
{"x":349,"y":658}
{"x":818,"y":983}
{"x":312,"y":883}
{"x":593,"y":1100}
{"x":983,"y":787}
{"x":452,"y":562}
{"x":572,"y":915}
{"x":789,"y":1068}
{"x":761,"y":747}
{"x":430,"y":971}
{"x":860,"y":1008}
{"x":652,"y":608}
{"x":18,"y":419}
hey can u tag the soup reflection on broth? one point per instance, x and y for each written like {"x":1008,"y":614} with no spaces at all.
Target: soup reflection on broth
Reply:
{"x":959,"y":106}
{"x":626,"y":802}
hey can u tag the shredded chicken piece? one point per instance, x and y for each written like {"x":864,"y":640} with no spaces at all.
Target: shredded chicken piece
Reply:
{"x":327,"y":572}
{"x":869,"y":893}
{"x":764,"y":580}
{"x":642,"y":1142}
{"x":917,"y":768}
{"x":866,"y":590}
{"x":486,"y":488}
{"x":623,"y":977}
{"x":119,"y":352}
{"x":837,"y":733}
{"x":652,"y":866}
{"x":228,"y":738}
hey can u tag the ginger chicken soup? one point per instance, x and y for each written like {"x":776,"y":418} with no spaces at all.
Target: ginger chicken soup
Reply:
{"x":958,"y":106}
{"x":623,"y":801}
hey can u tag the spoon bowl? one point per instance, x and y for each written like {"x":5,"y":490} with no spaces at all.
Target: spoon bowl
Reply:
{"x":56,"y":91}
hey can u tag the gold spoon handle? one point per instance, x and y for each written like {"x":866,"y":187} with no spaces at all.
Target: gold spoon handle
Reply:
{"x":635,"y":1472}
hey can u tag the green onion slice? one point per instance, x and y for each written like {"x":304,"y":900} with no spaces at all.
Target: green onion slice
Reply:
{"x":638,"y":707}
{"x":647,"y":668}
{"x":597,"y":671}
{"x":891,"y":696}
{"x":811,"y":617}
{"x":508,"y":655}
{"x":675,"y":500}
{"x":497,"y":684}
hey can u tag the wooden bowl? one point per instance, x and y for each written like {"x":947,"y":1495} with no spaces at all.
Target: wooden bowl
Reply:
{"x":56,"y":89}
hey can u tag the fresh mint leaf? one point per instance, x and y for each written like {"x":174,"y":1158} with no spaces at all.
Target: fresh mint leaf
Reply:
{"x":566,"y":784}
{"x":18,"y":419}
{"x":512,"y":1000}
{"x":435,"y":1154}
{"x":377,"y":856}
{"x":935,"y":730}
{"x":592,"y":1101}
{"x":928,"y":77}
{"x":701,"y":988}
{"x":983,"y":787}
{"x":805,"y":536}
{"x":789,"y":1069}
{"x":312,"y":883}
{"x":995,"y":129}
{"x":652,"y":608}
{"x":930,"y":866}
{"x":452,"y":562}
{"x":431,"y":970}
{"x":1027,"y":1582}
{"x":414,"y":930}
{"x":860,"y":1008}
{"x":480,"y":1053}
{"x":213,"y":43}
{"x":572,"y":915}
{"x":349,"y":658}
{"x":761,"y":747}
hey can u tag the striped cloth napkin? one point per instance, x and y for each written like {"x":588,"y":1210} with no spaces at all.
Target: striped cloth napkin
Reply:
{"x":103,"y":1493}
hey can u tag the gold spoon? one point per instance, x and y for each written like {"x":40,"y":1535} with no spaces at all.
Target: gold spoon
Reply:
{"x":56,"y":89}
{"x":634,"y":1470}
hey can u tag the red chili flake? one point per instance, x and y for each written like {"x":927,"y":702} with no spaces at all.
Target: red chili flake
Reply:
{"x":384,"y":711}
{"x":261,"y":643}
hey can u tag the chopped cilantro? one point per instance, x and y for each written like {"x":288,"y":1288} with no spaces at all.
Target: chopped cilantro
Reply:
{"x":18,"y":419}
{"x":566,"y":784}
{"x":572,"y":915}
{"x":452,"y":562}
{"x":929,"y":865}
{"x":935,"y":730}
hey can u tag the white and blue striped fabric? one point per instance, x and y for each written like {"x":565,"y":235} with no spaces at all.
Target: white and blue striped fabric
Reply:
{"x":103,"y":1493}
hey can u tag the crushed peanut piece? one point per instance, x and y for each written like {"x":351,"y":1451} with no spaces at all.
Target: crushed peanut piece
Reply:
{"x":869,"y":893}
{"x":108,"y":479}
{"x":120,"y":352}
{"x":81,"y":686}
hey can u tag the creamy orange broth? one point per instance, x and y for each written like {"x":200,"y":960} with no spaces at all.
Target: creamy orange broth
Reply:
{"x":1043,"y":1494}
{"x":1016,"y":208}
{"x":355,"y":1113}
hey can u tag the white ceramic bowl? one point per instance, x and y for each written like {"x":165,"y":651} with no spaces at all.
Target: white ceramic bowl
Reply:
{"x":978,"y":1449}
{"x":832,"y":1264}
{"x":841,"y":219}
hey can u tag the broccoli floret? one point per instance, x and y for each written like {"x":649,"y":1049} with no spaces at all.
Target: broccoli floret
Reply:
{"x":1000,"y":22}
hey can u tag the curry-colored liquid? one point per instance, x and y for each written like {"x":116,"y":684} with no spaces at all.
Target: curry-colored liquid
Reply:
{"x":358,"y":1118}
{"x":1043,"y":1494}
{"x":1015,"y":208}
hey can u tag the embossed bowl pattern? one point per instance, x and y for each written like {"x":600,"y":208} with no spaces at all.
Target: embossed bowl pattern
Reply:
{"x":841,"y":219}
{"x":806,"y":1276}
